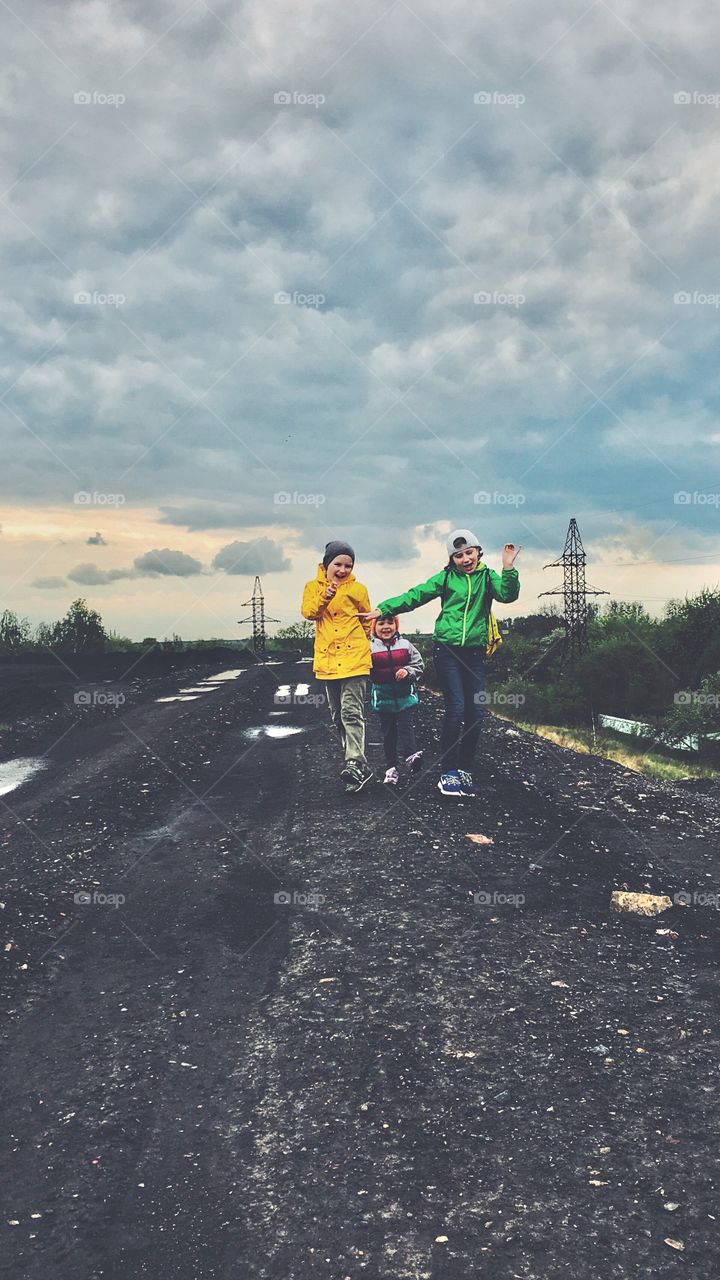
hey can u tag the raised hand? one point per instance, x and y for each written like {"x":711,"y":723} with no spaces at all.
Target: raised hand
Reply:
{"x":509,"y":554}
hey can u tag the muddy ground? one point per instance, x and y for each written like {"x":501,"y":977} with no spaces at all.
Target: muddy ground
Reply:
{"x":295,"y":1034}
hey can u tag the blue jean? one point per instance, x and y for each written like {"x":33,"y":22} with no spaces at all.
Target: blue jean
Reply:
{"x":460,"y":671}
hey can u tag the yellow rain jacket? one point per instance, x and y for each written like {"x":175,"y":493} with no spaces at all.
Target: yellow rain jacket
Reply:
{"x":342,"y":644}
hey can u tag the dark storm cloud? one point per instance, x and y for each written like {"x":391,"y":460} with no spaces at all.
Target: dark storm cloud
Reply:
{"x":178,"y":215}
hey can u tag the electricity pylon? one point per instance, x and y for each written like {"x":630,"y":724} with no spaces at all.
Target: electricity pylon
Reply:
{"x":575,"y":592}
{"x":257,"y":618}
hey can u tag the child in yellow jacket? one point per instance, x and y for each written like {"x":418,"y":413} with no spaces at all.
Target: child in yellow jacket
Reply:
{"x":333,"y":600}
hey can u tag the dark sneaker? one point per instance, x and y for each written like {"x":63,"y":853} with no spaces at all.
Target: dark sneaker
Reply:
{"x":347,"y":772}
{"x":467,"y":786}
{"x":359,"y":775}
{"x":414,"y":762}
{"x":449,"y":784}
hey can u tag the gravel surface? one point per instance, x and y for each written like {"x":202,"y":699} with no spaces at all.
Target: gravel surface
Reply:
{"x":295,"y":1034}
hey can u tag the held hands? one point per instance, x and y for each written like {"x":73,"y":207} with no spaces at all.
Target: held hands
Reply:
{"x":374,"y":613}
{"x":401,"y":673}
{"x":509,"y":553}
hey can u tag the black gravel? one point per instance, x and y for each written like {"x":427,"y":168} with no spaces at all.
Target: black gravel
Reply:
{"x":323,"y":1036}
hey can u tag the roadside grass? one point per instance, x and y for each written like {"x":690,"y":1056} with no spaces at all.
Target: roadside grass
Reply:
{"x":652,"y":763}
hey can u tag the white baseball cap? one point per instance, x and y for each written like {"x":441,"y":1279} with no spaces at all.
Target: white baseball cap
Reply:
{"x":460,"y":539}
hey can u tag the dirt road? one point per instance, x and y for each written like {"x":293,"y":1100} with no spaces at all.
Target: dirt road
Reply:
{"x":295,"y":1035}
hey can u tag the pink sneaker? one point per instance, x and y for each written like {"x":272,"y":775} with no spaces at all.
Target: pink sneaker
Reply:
{"x":414,"y":762}
{"x":392,"y":777}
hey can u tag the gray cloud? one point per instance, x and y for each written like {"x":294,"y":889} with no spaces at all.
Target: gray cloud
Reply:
{"x":153,"y":564}
{"x":48,"y":584}
{"x":171,"y":564}
{"x":400,"y":397}
{"x":96,"y":540}
{"x":259,"y":556}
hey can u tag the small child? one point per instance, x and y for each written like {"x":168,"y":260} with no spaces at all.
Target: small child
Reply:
{"x":333,"y":600}
{"x":396,"y":666}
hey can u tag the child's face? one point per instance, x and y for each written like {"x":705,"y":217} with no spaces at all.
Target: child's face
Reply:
{"x":384,"y":628}
{"x":339,"y":569}
{"x":466,"y":560}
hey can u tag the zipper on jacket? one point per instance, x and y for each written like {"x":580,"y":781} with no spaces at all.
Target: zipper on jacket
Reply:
{"x":467,"y":603}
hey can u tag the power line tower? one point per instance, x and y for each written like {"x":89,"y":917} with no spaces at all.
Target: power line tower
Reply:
{"x":575,"y":592}
{"x":257,"y":618}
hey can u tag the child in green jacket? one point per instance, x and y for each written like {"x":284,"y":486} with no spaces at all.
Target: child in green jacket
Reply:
{"x":466,"y":588}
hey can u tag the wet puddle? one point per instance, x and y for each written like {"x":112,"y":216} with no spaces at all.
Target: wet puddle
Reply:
{"x":272,"y":731}
{"x":14,"y":772}
{"x":226,"y":675}
{"x":179,"y":697}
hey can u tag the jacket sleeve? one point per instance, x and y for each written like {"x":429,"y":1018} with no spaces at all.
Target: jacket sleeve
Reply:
{"x":505,"y":587}
{"x":364,"y":602}
{"x":415,"y":666}
{"x":313,"y":601}
{"x":413,"y":598}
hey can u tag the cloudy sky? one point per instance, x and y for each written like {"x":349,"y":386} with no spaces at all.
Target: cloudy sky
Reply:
{"x":276,"y":272}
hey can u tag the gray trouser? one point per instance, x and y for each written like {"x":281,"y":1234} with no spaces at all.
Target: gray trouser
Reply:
{"x":346,"y":700}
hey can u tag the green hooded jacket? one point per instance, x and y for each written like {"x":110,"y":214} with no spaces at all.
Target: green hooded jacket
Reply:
{"x":468,"y":600}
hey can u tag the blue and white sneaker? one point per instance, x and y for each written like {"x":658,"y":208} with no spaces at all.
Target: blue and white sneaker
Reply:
{"x":467,"y":786}
{"x":449,"y":784}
